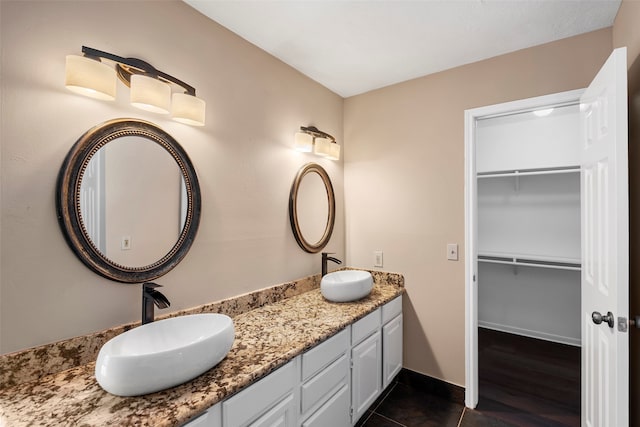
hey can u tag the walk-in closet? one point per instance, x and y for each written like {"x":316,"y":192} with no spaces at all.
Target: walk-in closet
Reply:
{"x":528,"y":260}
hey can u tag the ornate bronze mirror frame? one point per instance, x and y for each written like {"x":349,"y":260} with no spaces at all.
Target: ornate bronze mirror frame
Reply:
{"x":68,"y":202}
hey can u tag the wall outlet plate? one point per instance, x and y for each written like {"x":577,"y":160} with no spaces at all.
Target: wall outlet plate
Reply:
{"x":377,"y":259}
{"x":125,"y":243}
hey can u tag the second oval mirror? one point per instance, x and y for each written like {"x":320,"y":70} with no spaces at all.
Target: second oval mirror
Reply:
{"x":312,"y":208}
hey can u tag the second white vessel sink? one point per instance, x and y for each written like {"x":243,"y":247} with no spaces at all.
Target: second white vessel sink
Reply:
{"x":346,"y":285}
{"x":163,"y":354}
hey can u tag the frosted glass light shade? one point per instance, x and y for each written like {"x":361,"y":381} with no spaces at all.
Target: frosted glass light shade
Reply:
{"x":188,"y":109}
{"x":322,"y":147}
{"x":334,"y":152}
{"x":303,"y":142}
{"x":150,"y":94}
{"x":90,"y":77}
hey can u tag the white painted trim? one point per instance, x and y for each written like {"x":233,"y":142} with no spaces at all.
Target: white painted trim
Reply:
{"x":471,"y":264}
{"x":576,"y":342}
{"x":470,"y":221}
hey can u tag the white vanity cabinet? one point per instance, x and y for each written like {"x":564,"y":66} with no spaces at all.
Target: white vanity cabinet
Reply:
{"x":333,"y":384}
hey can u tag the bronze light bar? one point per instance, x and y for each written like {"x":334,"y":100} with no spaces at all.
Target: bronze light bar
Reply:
{"x":312,"y":139}
{"x":151,"y":89}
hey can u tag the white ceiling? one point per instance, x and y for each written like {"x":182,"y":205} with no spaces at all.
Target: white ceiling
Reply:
{"x":353,"y":47}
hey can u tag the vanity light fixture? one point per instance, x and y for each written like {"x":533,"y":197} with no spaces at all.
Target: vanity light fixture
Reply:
{"x":312,"y":140}
{"x":151,"y":89}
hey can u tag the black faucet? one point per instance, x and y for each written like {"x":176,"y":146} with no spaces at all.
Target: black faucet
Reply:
{"x":150,"y":297}
{"x":325,"y":259}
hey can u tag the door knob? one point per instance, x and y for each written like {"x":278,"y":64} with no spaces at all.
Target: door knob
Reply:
{"x":599,"y":318}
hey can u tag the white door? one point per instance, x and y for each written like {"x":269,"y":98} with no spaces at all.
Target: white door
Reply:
{"x":605,"y":247}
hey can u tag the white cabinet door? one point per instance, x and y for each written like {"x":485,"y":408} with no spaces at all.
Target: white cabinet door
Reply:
{"x":334,"y":413}
{"x":392,"y":350}
{"x":366,"y":374}
{"x":605,"y":247}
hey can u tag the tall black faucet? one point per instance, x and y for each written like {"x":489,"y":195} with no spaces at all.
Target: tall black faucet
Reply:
{"x":150,"y":297}
{"x":325,"y":259}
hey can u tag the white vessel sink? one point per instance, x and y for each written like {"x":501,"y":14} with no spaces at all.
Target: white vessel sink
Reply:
{"x":163,"y":354}
{"x":346,"y":285}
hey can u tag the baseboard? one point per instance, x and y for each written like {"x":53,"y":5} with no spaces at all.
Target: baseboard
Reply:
{"x":531,"y":334}
{"x":431,"y":385}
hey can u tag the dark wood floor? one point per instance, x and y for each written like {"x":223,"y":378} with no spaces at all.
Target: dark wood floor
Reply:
{"x":524,"y":382}
{"x":527,"y":381}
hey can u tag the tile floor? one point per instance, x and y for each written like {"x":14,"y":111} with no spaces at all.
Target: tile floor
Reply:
{"x":524,"y":382}
{"x":406,"y":405}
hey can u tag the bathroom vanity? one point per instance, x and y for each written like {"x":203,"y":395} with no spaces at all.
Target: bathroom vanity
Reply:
{"x":333,"y":384}
{"x":297,"y":360}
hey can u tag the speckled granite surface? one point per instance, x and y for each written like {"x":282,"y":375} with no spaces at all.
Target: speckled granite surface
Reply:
{"x":37,"y":362}
{"x":65,"y":393}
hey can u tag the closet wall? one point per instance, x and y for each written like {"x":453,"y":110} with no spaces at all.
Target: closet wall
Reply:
{"x":528,"y":182}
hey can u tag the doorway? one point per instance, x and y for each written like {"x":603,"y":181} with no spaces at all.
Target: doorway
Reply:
{"x":523,"y":236}
{"x":604,"y":261}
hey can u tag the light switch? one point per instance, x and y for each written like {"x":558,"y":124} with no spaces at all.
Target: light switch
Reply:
{"x":452,"y":251}
{"x":377,"y":259}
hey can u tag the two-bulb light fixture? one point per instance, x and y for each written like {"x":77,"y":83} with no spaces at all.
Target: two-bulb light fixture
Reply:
{"x":151,"y":89}
{"x":312,"y":140}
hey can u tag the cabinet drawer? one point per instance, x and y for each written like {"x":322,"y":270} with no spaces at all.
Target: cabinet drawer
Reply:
{"x":317,"y":388}
{"x":322,"y":355}
{"x":281,"y":415}
{"x":262,"y":395}
{"x":333,"y":413}
{"x":391,"y":309}
{"x":365,"y":326}
{"x":212,"y":417}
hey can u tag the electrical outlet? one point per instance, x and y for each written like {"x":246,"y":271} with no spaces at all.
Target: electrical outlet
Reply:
{"x":452,"y":251}
{"x":125,"y":243}
{"x":377,"y":259}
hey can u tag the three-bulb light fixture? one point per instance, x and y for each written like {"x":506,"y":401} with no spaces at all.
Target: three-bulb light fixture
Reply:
{"x":151,"y":89}
{"x":312,"y":140}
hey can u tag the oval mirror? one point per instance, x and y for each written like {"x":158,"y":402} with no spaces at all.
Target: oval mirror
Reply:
{"x":312,"y":208}
{"x":128,"y":200}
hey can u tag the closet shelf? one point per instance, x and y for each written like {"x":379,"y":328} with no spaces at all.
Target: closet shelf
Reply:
{"x":528,"y":172}
{"x":558,"y":263}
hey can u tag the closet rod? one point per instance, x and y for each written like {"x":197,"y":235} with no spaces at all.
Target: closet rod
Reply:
{"x":530,"y":172}
{"x":530,"y":263}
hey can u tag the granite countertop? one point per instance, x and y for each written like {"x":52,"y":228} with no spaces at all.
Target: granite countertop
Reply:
{"x":266,"y":338}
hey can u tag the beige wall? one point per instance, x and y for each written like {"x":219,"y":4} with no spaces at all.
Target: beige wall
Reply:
{"x":403,"y":168}
{"x":243,"y":158}
{"x":404,"y":171}
{"x":626,"y":32}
